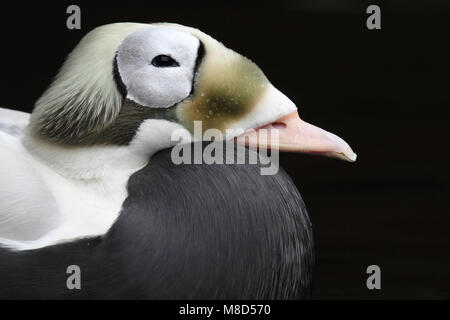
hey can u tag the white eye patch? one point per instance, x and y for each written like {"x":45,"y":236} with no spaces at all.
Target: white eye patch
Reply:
{"x":150,"y":85}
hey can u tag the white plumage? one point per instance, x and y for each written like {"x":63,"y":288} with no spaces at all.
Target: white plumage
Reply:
{"x":24,"y":197}
{"x":58,"y":195}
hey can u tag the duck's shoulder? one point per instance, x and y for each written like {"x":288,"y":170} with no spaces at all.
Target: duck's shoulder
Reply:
{"x":27,"y":207}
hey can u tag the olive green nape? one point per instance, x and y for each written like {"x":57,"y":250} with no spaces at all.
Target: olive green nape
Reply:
{"x":225,"y":93}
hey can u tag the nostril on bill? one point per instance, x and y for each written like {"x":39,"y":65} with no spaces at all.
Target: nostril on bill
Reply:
{"x":278,"y":125}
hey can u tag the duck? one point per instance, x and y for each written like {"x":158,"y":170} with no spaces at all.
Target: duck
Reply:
{"x":88,"y":177}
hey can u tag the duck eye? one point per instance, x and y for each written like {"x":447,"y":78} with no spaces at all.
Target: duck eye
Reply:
{"x":163,"y":61}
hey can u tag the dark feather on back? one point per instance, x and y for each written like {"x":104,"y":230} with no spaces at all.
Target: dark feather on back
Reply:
{"x":185,"y":232}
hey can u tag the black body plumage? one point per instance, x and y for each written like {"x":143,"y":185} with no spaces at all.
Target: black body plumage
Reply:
{"x":185,"y":232}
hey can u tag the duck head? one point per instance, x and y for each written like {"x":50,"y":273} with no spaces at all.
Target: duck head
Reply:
{"x":131,"y":84}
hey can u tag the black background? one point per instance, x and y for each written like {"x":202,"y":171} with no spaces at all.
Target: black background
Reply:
{"x":386,"y":92}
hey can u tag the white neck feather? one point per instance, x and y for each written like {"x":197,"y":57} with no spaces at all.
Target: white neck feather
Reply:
{"x":99,"y":162}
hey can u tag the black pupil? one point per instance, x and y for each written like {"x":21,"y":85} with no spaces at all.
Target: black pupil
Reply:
{"x":162,"y":61}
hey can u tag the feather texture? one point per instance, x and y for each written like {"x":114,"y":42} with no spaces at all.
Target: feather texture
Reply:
{"x":185,"y":232}
{"x":84,"y":97}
